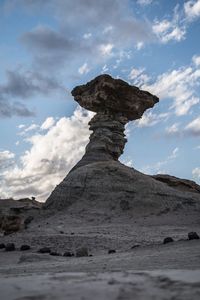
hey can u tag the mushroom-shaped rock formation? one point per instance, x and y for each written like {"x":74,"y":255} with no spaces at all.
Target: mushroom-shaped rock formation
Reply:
{"x":116,"y":102}
{"x":99,"y":182}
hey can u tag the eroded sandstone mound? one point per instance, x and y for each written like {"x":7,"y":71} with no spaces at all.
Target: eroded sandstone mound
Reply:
{"x":99,"y":180}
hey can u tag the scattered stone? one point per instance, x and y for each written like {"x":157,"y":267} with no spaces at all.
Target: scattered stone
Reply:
{"x":124,"y":205}
{"x":167,"y":240}
{"x":2,"y":246}
{"x":80,"y":252}
{"x":111,"y":251}
{"x":25,"y":247}
{"x":193,"y":236}
{"x":54,"y":253}
{"x":68,"y":254}
{"x":10,"y":247}
{"x":44,"y":250}
{"x":135,"y":246}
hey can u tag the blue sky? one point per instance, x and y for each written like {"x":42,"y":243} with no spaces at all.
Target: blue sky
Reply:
{"x":48,"y":47}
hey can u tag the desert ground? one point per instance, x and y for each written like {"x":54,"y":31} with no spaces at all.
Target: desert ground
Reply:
{"x":141,"y":267}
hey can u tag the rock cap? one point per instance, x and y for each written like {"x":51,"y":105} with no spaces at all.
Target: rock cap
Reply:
{"x":106,"y":94}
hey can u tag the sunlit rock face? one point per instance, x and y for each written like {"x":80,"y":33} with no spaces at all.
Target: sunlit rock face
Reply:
{"x":115,"y":103}
{"x":99,"y":183}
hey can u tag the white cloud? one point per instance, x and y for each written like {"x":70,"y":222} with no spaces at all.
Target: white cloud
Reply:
{"x":196,"y":173}
{"x":127,"y":161}
{"x":31,"y":127}
{"x":160,"y":167}
{"x":135,"y":73}
{"x":51,"y":155}
{"x":194,"y":127}
{"x":173,"y":29}
{"x":6,"y":160}
{"x":138,"y":76}
{"x":87,"y":36}
{"x":108,"y":29}
{"x":139,"y":45}
{"x":144,"y":2}
{"x":48,"y":123}
{"x":174,"y":154}
{"x":84,"y":69}
{"x":21,"y":126}
{"x":104,"y":69}
{"x":167,"y":31}
{"x":150,"y":119}
{"x":196,"y":60}
{"x":192,"y":9}
{"x":106,"y":49}
{"x":173,"y":129}
{"x":180,"y":86}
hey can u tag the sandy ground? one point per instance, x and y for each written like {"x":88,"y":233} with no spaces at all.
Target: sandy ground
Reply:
{"x":171,"y":284}
{"x":151,"y":270}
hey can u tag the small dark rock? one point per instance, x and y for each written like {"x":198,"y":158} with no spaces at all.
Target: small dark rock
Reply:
{"x":44,"y":250}
{"x":25,"y":247}
{"x":167,"y":240}
{"x":2,"y":246}
{"x":10,"y":247}
{"x":80,"y":252}
{"x":111,"y":251}
{"x":68,"y":254}
{"x":124,"y":204}
{"x":62,"y":232}
{"x":54,"y":253}
{"x":193,"y":236}
{"x":135,"y":246}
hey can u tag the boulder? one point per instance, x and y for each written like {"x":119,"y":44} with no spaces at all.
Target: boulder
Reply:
{"x":44,"y":250}
{"x":68,"y":254}
{"x":168,"y":240}
{"x":54,"y":253}
{"x":80,"y":252}
{"x":10,"y":247}
{"x":2,"y":246}
{"x":111,"y":251}
{"x":25,"y":247}
{"x":193,"y":236}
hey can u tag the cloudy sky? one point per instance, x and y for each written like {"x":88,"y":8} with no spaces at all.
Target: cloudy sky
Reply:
{"x":49,"y":46}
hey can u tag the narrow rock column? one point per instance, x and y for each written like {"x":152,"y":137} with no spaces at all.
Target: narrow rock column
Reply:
{"x":107,"y":140}
{"x":115,"y":103}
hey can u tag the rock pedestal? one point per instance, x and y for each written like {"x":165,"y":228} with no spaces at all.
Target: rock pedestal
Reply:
{"x":115,"y":103}
{"x":99,"y":181}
